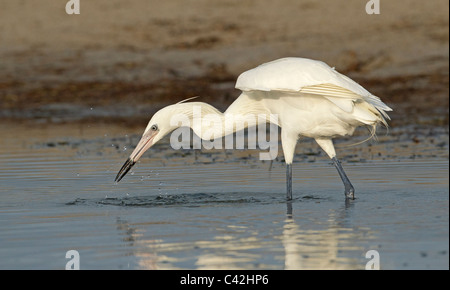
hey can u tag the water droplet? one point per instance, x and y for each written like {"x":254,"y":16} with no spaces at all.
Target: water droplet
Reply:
{"x":78,"y":174}
{"x":92,"y":108}
{"x":132,"y":173}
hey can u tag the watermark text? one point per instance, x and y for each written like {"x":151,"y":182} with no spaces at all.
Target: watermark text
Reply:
{"x":374,"y":262}
{"x":73,"y":7}
{"x":373,"y":7}
{"x":209,"y":130}
{"x":74,"y":262}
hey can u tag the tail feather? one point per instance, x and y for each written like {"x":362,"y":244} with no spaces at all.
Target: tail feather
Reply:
{"x":380,"y":108}
{"x":371,"y":112}
{"x":373,"y":135}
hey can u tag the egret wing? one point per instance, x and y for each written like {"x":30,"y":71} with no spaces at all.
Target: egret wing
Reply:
{"x":293,"y":74}
{"x":311,"y":77}
{"x":344,"y":98}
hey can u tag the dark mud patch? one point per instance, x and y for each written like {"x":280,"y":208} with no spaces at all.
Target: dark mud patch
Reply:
{"x":420,"y":99}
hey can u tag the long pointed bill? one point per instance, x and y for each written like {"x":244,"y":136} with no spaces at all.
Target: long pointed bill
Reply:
{"x":124,"y":170}
{"x":145,"y":143}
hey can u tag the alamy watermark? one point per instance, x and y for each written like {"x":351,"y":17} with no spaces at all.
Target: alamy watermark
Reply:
{"x":374,"y":262}
{"x":73,"y":7}
{"x":74,"y":262}
{"x":209,"y":130}
{"x":373,"y":7}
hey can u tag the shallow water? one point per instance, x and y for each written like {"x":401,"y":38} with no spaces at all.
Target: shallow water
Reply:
{"x":210,"y":210}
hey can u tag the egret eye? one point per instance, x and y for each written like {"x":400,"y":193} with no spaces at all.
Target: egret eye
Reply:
{"x":154,"y":127}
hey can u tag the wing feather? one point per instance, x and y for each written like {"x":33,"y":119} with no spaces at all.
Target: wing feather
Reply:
{"x":311,"y":77}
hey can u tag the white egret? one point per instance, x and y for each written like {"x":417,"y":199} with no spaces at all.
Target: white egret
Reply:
{"x":310,"y":98}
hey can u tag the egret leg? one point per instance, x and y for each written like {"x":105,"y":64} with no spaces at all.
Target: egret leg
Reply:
{"x":349,"y":189}
{"x":289,"y":181}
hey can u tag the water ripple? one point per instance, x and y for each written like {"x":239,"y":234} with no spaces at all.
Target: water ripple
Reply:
{"x":187,"y":200}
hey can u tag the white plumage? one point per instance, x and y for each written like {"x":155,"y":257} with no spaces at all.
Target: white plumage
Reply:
{"x":310,"y":77}
{"x":308,"y":97}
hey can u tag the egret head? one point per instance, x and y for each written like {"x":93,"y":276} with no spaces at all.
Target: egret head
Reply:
{"x":158,"y":127}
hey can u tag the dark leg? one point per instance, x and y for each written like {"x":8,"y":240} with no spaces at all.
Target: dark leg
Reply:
{"x":349,"y":190}
{"x":289,"y":209}
{"x":289,"y":181}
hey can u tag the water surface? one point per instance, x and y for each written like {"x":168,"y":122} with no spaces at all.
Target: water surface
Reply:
{"x":210,"y":210}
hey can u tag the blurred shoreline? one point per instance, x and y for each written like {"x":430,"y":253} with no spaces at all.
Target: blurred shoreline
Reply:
{"x":118,"y":62}
{"x":418,"y":100}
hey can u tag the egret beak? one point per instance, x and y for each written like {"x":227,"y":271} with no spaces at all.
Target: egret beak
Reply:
{"x":145,"y":143}
{"x":124,"y":170}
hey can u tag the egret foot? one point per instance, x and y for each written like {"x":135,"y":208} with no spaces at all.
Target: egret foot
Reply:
{"x":349,"y":192}
{"x":349,"y":189}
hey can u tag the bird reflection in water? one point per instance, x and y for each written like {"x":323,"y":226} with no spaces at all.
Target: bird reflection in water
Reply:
{"x":330,"y":243}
